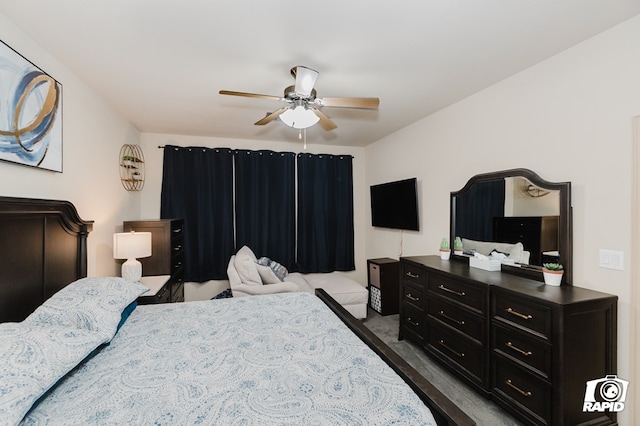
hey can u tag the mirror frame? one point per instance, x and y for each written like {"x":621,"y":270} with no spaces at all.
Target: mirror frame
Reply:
{"x":565,"y":229}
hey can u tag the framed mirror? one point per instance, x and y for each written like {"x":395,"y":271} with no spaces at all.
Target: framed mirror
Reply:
{"x":513,"y":207}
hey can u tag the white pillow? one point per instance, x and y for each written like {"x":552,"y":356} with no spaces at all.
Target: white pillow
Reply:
{"x":267,"y":274}
{"x":485,"y":247}
{"x":246,"y":266}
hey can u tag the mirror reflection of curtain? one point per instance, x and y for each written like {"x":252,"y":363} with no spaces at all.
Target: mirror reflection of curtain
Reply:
{"x":486,"y":201}
{"x":265,"y":203}
{"x":197,"y":186}
{"x":325,"y":213}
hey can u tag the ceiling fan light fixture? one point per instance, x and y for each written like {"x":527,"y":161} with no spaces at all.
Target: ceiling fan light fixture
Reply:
{"x":305,"y":80}
{"x":299,"y":117}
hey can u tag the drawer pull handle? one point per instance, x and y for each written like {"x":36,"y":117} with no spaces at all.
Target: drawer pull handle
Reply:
{"x":457,"y":293}
{"x":415,"y":299}
{"x":410,"y":275}
{"x":519,"y":315}
{"x":517,"y":349}
{"x":450,"y":318}
{"x":177,"y":230}
{"x":416,"y":324}
{"x":526,"y":394}
{"x":177,"y":248}
{"x":447,"y":347}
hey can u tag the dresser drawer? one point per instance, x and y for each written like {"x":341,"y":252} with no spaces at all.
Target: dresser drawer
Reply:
{"x":177,"y":247}
{"x":176,"y":229}
{"x":473,"y":296}
{"x":533,"y":317}
{"x":463,"y":351}
{"x":412,"y":274}
{"x":518,"y":387}
{"x":412,"y":322}
{"x":458,"y":318}
{"x":413,"y":295}
{"x":535,"y":354}
{"x":413,"y":319}
{"x":177,"y":262}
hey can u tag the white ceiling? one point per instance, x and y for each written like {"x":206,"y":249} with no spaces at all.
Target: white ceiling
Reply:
{"x":161,"y":63}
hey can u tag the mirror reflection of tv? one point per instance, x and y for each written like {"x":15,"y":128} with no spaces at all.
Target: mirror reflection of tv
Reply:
{"x":395,"y":205}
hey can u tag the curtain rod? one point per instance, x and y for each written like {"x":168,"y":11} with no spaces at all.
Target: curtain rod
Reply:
{"x":300,"y":153}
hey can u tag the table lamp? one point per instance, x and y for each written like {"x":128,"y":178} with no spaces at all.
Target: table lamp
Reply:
{"x":131,"y":245}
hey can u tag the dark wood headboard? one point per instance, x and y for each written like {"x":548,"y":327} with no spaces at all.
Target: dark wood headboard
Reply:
{"x":43,"y":247}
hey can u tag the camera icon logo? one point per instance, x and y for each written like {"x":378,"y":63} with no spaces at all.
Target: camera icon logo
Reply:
{"x":605,"y":394}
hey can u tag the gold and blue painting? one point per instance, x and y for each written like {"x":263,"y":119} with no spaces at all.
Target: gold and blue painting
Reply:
{"x":30,"y":113}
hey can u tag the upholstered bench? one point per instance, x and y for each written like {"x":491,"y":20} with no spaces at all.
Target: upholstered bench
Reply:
{"x":347,"y":292}
{"x":247,"y":277}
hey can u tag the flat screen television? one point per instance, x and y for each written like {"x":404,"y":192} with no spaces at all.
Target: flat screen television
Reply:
{"x":395,"y":205}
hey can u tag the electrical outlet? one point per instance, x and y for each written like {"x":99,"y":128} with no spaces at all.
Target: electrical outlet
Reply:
{"x":612,"y":259}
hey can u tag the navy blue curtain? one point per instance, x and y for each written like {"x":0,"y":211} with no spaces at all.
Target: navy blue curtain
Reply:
{"x":197,"y":186}
{"x":265,"y":204}
{"x":325,"y":213}
{"x":476,"y":209}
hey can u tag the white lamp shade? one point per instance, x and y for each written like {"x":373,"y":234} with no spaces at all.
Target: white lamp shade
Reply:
{"x":131,"y":245}
{"x":299,"y":117}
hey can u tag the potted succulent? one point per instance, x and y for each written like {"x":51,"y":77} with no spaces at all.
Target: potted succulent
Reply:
{"x":552,"y":273}
{"x":445,"y":250}
{"x":457,"y":246}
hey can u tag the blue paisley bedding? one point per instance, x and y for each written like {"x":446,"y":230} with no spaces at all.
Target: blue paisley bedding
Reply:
{"x":282,"y":359}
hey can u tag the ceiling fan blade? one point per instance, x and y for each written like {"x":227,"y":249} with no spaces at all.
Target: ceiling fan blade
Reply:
{"x":250,"y":95}
{"x":325,"y":121}
{"x":270,"y":117}
{"x":305,"y":79}
{"x":368,"y":103}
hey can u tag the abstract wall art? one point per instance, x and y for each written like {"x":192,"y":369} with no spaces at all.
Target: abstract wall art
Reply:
{"x":30,"y":113}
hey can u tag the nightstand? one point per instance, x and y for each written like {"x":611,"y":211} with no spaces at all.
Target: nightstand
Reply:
{"x":384,"y":279}
{"x":159,"y":290}
{"x":167,"y":252}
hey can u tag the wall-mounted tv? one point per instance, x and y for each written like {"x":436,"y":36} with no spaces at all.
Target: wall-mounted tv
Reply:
{"x":395,"y":205}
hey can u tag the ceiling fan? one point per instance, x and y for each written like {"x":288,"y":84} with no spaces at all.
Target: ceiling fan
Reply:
{"x":303,"y":105}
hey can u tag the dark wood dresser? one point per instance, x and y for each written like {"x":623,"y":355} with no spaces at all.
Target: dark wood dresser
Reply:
{"x":528,"y":346}
{"x":167,"y":252}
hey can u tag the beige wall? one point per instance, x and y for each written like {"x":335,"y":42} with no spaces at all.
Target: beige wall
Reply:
{"x":568,"y":118}
{"x":92,"y":136}
{"x":151,"y":192}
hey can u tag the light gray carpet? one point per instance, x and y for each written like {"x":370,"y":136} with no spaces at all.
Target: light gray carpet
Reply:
{"x":482,"y":410}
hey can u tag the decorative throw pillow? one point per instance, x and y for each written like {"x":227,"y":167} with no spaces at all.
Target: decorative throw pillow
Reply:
{"x":267,"y":275}
{"x":280,"y":271}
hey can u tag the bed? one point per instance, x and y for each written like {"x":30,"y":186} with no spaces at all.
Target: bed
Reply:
{"x":280,"y":359}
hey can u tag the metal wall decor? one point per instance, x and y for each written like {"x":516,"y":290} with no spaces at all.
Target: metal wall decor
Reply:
{"x":31,"y":113}
{"x":131,"y":167}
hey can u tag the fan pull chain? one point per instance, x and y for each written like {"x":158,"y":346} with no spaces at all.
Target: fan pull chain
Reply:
{"x":300,"y":132}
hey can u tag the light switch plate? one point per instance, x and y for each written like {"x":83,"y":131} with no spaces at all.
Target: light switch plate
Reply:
{"x":612,"y":259}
